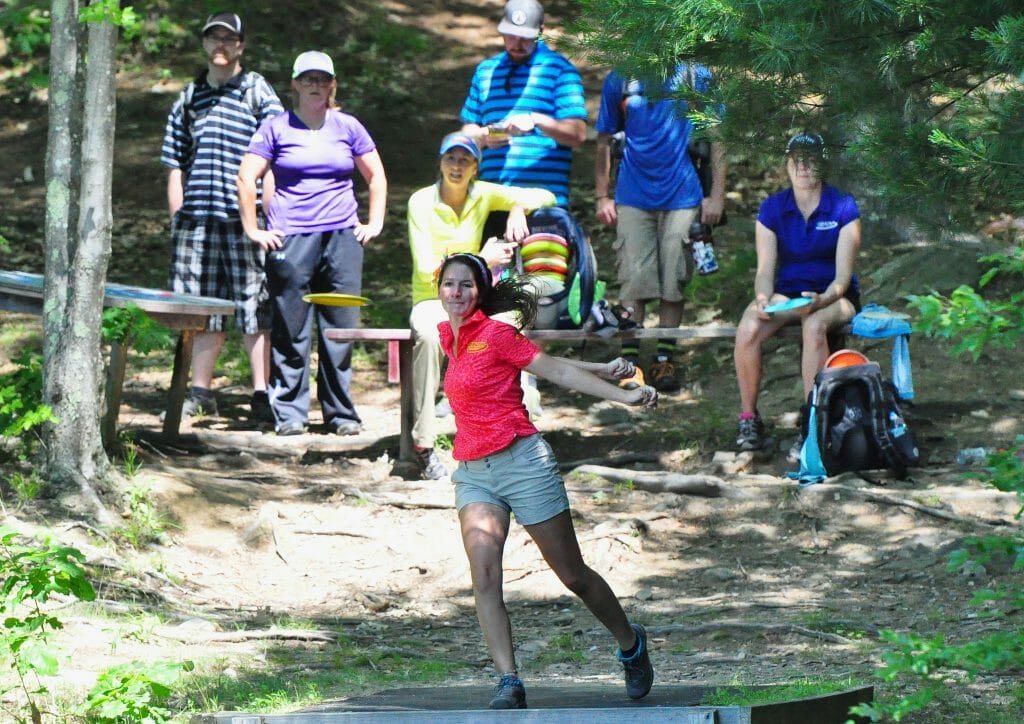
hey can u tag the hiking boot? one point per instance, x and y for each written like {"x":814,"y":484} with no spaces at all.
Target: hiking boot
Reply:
{"x":200,"y":401}
{"x":663,"y":376}
{"x":632,"y":383}
{"x":639,"y":672}
{"x":260,"y":411}
{"x":431,"y":465}
{"x":751,"y":434}
{"x":509,"y":693}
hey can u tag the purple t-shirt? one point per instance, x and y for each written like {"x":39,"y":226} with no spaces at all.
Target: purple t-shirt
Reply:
{"x":312,"y":171}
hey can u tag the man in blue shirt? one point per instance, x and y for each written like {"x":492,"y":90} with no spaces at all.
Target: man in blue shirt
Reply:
{"x":658,"y":196}
{"x":525,"y":107}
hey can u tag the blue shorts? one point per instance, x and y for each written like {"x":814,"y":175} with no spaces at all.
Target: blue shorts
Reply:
{"x":523,"y":478}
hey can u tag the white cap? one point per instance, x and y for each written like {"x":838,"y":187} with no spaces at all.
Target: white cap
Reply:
{"x":313,"y":60}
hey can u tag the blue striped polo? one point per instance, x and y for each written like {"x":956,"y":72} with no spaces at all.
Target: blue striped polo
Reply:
{"x":546,"y":83}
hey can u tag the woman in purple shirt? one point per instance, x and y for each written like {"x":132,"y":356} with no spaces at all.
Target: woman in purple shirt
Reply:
{"x":313,"y":238}
{"x":807,"y":239}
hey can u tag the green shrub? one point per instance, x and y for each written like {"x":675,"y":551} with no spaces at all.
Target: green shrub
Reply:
{"x":31,"y":575}
{"x":21,"y":397}
{"x":133,"y":692}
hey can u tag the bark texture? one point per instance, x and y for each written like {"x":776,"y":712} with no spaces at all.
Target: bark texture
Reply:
{"x":79,"y":222}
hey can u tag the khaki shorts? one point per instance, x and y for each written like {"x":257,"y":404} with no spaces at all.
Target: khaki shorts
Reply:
{"x":523,"y":478}
{"x":653,"y":251}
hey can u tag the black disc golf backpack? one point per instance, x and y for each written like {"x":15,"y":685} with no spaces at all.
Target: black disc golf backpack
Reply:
{"x":855,"y":422}
{"x":573,"y":303}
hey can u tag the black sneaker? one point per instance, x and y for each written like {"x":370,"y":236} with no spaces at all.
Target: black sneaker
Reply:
{"x":431,"y":465}
{"x":639,"y":672}
{"x":200,"y":401}
{"x":663,"y":376}
{"x":509,"y":693}
{"x":259,"y":408}
{"x":751,"y":433}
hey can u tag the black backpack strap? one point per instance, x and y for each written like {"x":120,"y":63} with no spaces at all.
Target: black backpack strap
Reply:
{"x":885,"y":406}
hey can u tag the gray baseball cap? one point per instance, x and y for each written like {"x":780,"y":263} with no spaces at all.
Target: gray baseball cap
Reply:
{"x":523,"y":18}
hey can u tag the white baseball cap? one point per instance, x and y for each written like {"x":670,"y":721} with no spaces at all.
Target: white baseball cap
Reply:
{"x":313,"y":60}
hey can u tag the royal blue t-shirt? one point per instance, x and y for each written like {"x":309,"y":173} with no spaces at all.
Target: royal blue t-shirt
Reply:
{"x":807,"y":249}
{"x":655,"y":172}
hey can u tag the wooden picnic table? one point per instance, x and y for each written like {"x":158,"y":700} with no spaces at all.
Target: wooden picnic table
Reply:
{"x":183,"y":313}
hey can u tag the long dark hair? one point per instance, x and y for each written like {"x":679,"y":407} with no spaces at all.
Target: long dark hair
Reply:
{"x":512,"y":294}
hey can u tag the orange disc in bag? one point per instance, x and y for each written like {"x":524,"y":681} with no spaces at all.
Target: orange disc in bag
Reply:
{"x":845,"y":358}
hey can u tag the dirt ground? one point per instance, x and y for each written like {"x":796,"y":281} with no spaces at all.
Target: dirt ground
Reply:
{"x":764,"y":583}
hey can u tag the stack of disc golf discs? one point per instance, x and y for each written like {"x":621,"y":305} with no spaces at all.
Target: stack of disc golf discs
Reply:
{"x":546,"y":255}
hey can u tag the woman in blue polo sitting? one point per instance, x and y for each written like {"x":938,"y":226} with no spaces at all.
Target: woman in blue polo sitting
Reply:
{"x":807,"y":239}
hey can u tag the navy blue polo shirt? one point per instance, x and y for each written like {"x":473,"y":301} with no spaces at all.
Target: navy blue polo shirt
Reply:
{"x":807,"y":249}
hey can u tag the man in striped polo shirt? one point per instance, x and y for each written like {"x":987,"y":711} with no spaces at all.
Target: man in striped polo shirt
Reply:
{"x":207,"y":133}
{"x":526,"y":109}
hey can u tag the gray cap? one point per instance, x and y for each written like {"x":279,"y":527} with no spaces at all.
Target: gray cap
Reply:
{"x":523,"y":18}
{"x":229,"y":21}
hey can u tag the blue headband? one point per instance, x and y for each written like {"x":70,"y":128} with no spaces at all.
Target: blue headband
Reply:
{"x":481,"y":265}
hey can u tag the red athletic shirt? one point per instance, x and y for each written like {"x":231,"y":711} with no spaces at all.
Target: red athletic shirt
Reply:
{"x":482,"y":384}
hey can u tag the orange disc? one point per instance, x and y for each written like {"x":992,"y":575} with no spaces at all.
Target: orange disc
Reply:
{"x":845,"y":358}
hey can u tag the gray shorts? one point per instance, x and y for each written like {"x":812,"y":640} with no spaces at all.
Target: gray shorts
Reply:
{"x":523,"y":478}
{"x":653,"y":250}
{"x":213,"y":258}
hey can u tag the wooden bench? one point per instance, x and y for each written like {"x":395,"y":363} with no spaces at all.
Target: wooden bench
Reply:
{"x":400,"y":356}
{"x":400,"y":345}
{"x":184,"y":313}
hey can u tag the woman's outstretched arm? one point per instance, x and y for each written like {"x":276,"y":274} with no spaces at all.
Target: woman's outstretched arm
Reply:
{"x":568,"y":375}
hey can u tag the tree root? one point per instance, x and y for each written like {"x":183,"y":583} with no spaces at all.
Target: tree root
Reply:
{"x":273,"y":634}
{"x":782,"y":628}
{"x":708,"y":486}
{"x":886,"y":499}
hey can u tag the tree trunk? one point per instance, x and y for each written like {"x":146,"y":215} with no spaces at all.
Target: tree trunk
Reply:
{"x":78,"y":250}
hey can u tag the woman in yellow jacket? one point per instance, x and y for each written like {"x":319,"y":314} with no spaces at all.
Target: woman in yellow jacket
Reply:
{"x":446,"y":218}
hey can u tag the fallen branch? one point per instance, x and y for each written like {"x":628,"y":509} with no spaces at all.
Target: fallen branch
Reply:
{"x":399,"y":501}
{"x":746,"y":626}
{"x":615,"y":458}
{"x":88,"y":528}
{"x":708,"y":486}
{"x":927,"y":510}
{"x":273,"y":634}
{"x":335,"y":531}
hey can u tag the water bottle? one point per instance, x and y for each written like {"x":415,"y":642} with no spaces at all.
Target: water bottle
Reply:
{"x":896,"y":424}
{"x":972,"y":456}
{"x":703,"y":250}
